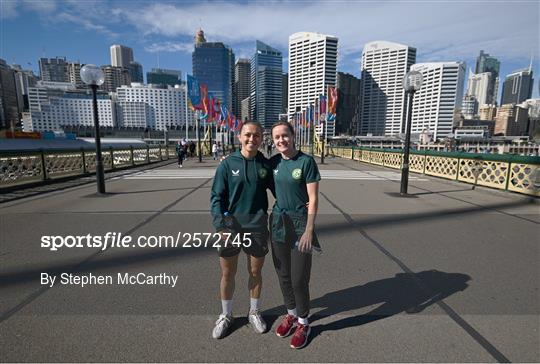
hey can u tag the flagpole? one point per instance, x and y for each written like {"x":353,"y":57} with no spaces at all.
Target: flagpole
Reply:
{"x":198,"y":132}
{"x":187,"y":118}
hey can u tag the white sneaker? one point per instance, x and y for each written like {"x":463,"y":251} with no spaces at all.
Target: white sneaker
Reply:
{"x":223,"y":323}
{"x":256,"y":321}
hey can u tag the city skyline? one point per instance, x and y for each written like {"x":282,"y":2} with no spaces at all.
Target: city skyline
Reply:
{"x":85,"y":31}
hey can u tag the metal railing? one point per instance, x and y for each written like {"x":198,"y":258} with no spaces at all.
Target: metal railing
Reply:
{"x":23,"y":167}
{"x":505,"y":172}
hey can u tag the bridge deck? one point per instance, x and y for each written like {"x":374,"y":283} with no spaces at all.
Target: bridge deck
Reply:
{"x":450,"y":274}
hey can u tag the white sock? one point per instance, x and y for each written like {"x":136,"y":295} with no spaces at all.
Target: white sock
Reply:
{"x":292,"y":312}
{"x":303,"y":321}
{"x":254,"y":303}
{"x":226,"y":306}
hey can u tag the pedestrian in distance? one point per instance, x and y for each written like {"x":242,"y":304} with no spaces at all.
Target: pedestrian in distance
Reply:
{"x":293,"y":238}
{"x":215,"y":152}
{"x":192,"y":148}
{"x":181,"y":153}
{"x":269,"y":149}
{"x":239,"y":206}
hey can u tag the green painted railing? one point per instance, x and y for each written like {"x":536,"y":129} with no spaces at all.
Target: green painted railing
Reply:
{"x":20,"y":167}
{"x":506,"y":172}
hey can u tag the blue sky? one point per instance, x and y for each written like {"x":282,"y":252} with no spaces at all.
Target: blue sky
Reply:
{"x":83,"y":30}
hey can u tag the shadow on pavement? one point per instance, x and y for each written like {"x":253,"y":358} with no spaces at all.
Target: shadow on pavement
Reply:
{"x":405,"y":292}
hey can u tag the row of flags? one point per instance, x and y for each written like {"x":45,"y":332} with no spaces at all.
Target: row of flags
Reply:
{"x":211,"y":108}
{"x":321,"y":111}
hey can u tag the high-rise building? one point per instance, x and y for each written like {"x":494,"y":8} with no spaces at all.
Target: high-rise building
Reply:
{"x":486,"y":63}
{"x":487,"y":112}
{"x":9,"y":108}
{"x":115,"y":77}
{"x":161,"y":76}
{"x":213,"y":66}
{"x":23,"y":80}
{"x":478,"y":86}
{"x":136,"y":72}
{"x":121,"y":56}
{"x":54,"y":69}
{"x":312,"y":68}
{"x":54,"y":105}
{"x":517,"y":87}
{"x":242,"y":74}
{"x":265,"y":90}
{"x":159,"y":107}
{"x":245,"y":105}
{"x":437,"y":105}
{"x":74,"y":69}
{"x":284,"y":93}
{"x":348,"y":89}
{"x":512,"y":120}
{"x":469,"y":107}
{"x":384,"y":64}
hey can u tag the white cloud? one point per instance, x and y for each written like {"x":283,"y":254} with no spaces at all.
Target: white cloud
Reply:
{"x":41,"y":6}
{"x":169,"y":47}
{"x":442,"y":30}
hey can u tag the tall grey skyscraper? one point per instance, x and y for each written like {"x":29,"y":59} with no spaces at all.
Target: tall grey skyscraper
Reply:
{"x":348,"y":89}
{"x":487,"y":63}
{"x":242,"y":74}
{"x":161,"y":76}
{"x":121,"y":56}
{"x":265,"y":90}
{"x":54,"y":69}
{"x":312,"y":68}
{"x":9,"y":110}
{"x":517,"y":87}
{"x":213,"y":66}
{"x":136,"y":72}
{"x":437,"y":105}
{"x":384,"y":64}
{"x":284,"y":93}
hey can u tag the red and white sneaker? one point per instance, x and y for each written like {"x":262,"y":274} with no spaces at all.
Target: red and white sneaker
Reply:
{"x":300,"y":337}
{"x":286,"y":326}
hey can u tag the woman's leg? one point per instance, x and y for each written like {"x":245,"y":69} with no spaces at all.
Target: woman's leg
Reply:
{"x":228,"y":273}
{"x":300,"y":274}
{"x":281,"y":255}
{"x":254,"y":266}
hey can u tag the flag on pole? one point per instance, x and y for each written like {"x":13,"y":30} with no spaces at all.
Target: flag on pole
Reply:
{"x":194,"y":93}
{"x":332,"y":103}
{"x":322,"y":105}
{"x":205,"y":102}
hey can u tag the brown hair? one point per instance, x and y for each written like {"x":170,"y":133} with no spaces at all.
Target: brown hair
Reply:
{"x":285,"y":123}
{"x":256,"y":123}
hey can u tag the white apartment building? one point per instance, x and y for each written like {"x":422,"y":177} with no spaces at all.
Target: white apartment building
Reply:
{"x":55,"y":104}
{"x":437,"y":105}
{"x":121,"y":56}
{"x":165,"y":107}
{"x":478,"y":85}
{"x":312,"y":68}
{"x":384,"y":64}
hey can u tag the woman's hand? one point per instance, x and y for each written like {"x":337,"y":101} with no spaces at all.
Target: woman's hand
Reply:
{"x":304,"y":245}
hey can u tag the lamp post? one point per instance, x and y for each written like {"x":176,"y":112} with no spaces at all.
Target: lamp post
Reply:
{"x":93,"y":76}
{"x":412,"y":82}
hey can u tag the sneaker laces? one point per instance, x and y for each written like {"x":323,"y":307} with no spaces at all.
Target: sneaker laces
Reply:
{"x":256,"y":316}
{"x":222,"y":318}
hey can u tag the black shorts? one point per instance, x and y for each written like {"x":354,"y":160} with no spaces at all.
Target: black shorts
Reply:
{"x":257,"y":247}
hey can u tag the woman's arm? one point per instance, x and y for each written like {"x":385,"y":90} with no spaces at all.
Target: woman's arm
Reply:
{"x":313,"y":205}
